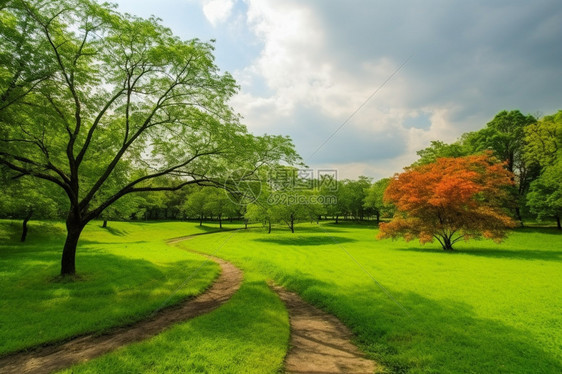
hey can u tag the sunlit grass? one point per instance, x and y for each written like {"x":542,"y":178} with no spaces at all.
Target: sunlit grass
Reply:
{"x":484,"y":308}
{"x":249,"y":334}
{"x":123,"y":274}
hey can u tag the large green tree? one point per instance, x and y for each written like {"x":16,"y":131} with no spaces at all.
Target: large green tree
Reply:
{"x":544,"y":148}
{"x":545,"y":195}
{"x":104,"y":104}
{"x":505,"y":136}
{"x":543,"y":140}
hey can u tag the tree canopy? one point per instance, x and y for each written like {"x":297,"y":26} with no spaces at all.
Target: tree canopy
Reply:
{"x":449,"y":200}
{"x":104,"y":104}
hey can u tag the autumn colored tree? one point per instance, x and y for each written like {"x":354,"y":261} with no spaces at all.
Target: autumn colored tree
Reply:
{"x":449,"y":200}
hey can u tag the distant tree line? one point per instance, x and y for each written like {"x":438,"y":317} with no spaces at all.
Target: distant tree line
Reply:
{"x":531,"y":149}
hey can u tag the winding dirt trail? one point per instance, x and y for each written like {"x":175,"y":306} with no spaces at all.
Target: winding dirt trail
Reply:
{"x":319,"y":343}
{"x":59,"y":356}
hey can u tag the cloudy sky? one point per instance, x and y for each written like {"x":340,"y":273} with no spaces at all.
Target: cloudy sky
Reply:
{"x":396,"y":74}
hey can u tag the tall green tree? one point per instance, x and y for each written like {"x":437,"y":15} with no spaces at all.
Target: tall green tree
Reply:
{"x":544,"y":148}
{"x":357,"y":191}
{"x":545,"y":195}
{"x":543,"y":140}
{"x":89,"y":95}
{"x":505,"y":136}
{"x":196,"y":204}
{"x":374,"y":199}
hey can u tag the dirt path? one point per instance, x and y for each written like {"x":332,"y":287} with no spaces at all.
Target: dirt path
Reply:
{"x":56,"y":357}
{"x":320,"y":343}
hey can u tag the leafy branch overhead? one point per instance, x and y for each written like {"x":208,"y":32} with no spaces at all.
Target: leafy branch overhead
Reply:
{"x":104,"y":104}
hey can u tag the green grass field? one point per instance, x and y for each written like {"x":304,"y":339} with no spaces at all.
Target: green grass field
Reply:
{"x":486,"y":308}
{"x":125,"y":272}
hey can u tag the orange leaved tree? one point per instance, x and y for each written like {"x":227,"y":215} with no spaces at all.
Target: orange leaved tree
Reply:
{"x":449,"y":200}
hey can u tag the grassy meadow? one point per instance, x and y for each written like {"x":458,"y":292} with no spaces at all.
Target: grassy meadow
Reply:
{"x":124,"y":273}
{"x":484,"y":308}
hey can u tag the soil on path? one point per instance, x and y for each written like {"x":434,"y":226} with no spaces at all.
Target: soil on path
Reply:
{"x":319,"y":343}
{"x":56,"y":357}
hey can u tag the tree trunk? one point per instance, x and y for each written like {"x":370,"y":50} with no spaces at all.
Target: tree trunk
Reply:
{"x":337,"y":219}
{"x":447,"y":245}
{"x":518,"y":215}
{"x":246,"y":225}
{"x":201,"y":220}
{"x":24,"y":225}
{"x":220,"y":221}
{"x":292,"y":224}
{"x":68,"y":262}
{"x":104,"y":223}
{"x":558,"y":223}
{"x":269,"y":226}
{"x":378,"y":218}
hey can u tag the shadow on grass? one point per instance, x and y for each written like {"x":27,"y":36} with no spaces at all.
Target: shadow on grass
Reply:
{"x":299,"y":240}
{"x":113,"y":231}
{"x":109,"y":290}
{"x":250,"y":333}
{"x":539,"y":230}
{"x":523,"y":254}
{"x":368,"y":225}
{"x":436,"y":336}
{"x":38,"y":233}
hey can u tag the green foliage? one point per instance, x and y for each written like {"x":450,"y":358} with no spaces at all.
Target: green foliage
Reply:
{"x":22,"y":196}
{"x":543,"y":140}
{"x":439,"y":149}
{"x":505,"y":136}
{"x":104,"y":104}
{"x":374,"y":199}
{"x":545,"y":195}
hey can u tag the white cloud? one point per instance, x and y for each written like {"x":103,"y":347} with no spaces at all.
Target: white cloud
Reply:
{"x":317,"y":66}
{"x":217,"y":11}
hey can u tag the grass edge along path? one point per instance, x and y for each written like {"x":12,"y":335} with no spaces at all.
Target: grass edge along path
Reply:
{"x":81,"y":349}
{"x":126,"y":272}
{"x":319,"y":342}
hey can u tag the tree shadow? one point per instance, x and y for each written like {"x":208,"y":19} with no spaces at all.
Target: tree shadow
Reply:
{"x":317,"y":229}
{"x":252,"y":324}
{"x":366,"y":225}
{"x":523,"y":254}
{"x":298,"y":240}
{"x":110,"y":290}
{"x":430,"y":335}
{"x":539,"y":230}
{"x":116,"y":232}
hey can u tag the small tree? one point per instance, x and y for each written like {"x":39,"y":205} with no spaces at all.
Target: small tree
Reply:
{"x":258,"y":212}
{"x":24,"y":198}
{"x":196,"y":205}
{"x":374,"y":199}
{"x":220,"y":204}
{"x":449,"y":200}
